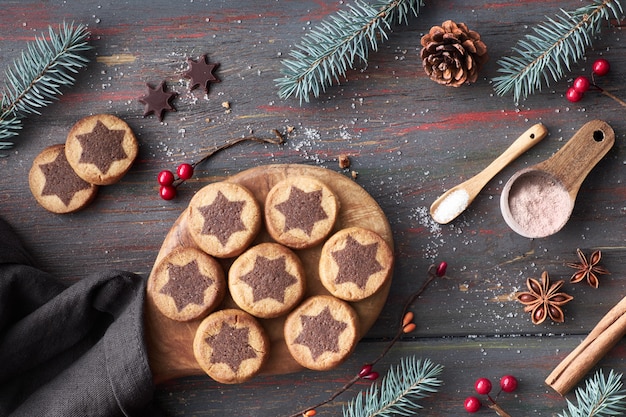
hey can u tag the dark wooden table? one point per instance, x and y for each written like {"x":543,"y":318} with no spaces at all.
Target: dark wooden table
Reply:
{"x":408,"y":138}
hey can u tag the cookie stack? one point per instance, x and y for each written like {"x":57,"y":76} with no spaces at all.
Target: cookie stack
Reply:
{"x":99,"y":150}
{"x":259,"y":241}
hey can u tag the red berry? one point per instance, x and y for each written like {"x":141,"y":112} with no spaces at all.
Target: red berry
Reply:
{"x":573,"y":95}
{"x":185,"y":171}
{"x":165,"y":177}
{"x":372,"y":376}
{"x":601,"y":67}
{"x":441,"y":269}
{"x":365,"y":370}
{"x":581,"y":84}
{"x":167,"y":192}
{"x":472,"y":404}
{"x":508,"y":383}
{"x":482,"y":386}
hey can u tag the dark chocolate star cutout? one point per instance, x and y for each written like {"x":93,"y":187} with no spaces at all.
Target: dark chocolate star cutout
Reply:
{"x":302,"y":210}
{"x":157,"y":101}
{"x":230,"y":346}
{"x":102,"y":146}
{"x":320,"y":333}
{"x":201,"y":73}
{"x":269,"y":279}
{"x":61,"y":180}
{"x":222,"y":218}
{"x":186,"y":284}
{"x":356,"y":262}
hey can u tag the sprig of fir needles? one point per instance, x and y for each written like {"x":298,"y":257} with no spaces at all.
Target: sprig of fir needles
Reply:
{"x":398,"y":391}
{"x":552,"y":48}
{"x":36,"y":78}
{"x":330,"y":49}
{"x":601,"y":397}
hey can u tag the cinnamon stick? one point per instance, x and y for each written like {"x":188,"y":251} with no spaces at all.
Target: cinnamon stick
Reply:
{"x":609,"y":330}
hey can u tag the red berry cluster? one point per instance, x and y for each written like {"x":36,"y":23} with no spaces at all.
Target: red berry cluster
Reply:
{"x":482,"y":386}
{"x":581,"y":84}
{"x":168,"y":182}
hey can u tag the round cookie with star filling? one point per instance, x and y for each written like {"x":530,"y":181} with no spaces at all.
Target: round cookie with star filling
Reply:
{"x":101,"y":148}
{"x":300,"y":212}
{"x":231,"y":346}
{"x":224,"y":219}
{"x":267,"y":280}
{"x":55,"y":185}
{"x":322,"y":332}
{"x":187,"y":284}
{"x":355,"y":263}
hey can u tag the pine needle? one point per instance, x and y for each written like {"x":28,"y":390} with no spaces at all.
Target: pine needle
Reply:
{"x":552,"y":48}
{"x":330,"y":49}
{"x":599,"y":398}
{"x":398,"y":391}
{"x":35,"y":79}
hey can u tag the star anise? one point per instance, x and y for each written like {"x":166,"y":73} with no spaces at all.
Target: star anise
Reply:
{"x":543,"y":299}
{"x":588,"y":270}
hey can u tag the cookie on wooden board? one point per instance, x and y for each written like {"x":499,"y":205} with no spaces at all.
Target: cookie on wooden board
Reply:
{"x":267,"y":280}
{"x":187,"y":284}
{"x":231,"y":346}
{"x":322,"y":332}
{"x":300,"y":212}
{"x":101,"y":148}
{"x":224,"y":219}
{"x":355,"y":263}
{"x":55,"y":185}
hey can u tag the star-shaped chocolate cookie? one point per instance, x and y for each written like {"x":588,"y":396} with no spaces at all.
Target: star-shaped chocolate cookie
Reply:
{"x":201,"y":73}
{"x":230,"y":346}
{"x":302,"y":210}
{"x":356,"y":262}
{"x":320,"y":333}
{"x":269,"y":279}
{"x":102,"y":146}
{"x":186,"y":284}
{"x":61,"y":180}
{"x":222,"y":218}
{"x":157,"y":101}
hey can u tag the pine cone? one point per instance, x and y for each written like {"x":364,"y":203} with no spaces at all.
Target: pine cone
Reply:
{"x":452,"y":54}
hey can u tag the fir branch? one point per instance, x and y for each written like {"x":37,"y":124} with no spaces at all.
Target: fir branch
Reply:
{"x":599,"y":398}
{"x":398,"y":391}
{"x":544,"y":56}
{"x":36,"y":78}
{"x":330,"y":49}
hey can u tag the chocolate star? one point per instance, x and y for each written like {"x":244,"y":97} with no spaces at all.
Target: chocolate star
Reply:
{"x":186,"y":284}
{"x":320,"y":333}
{"x":102,"y":146}
{"x":302,"y":210}
{"x":157,"y":101}
{"x":230,"y":346}
{"x":201,"y":73}
{"x":222,"y":218}
{"x":61,"y":180}
{"x":356,"y":262}
{"x":269,"y":279}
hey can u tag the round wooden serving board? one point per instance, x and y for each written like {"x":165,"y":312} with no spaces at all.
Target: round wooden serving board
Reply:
{"x":173,"y":340}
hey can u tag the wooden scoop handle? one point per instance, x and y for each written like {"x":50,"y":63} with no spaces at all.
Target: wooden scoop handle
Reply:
{"x":573,"y":162}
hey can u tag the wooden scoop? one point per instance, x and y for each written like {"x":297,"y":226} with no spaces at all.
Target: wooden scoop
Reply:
{"x":538,"y":201}
{"x":454,"y":201}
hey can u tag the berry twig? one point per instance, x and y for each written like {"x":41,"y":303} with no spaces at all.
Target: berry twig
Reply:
{"x":406,"y":326}
{"x":582,"y":84}
{"x":169,"y":182}
{"x":508,"y":383}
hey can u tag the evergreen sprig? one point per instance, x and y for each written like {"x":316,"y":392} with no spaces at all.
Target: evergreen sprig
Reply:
{"x":552,"y":48}
{"x":601,"y":397}
{"x":330,"y":49}
{"x":398,"y":391}
{"x":36,"y":78}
